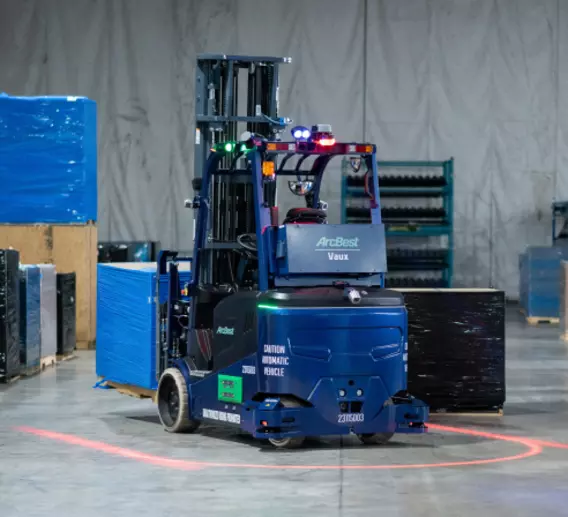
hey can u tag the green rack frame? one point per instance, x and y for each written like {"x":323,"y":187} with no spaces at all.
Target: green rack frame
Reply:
{"x":409,"y":229}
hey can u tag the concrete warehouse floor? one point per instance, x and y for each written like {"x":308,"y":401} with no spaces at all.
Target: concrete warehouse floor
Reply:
{"x":57,"y":474}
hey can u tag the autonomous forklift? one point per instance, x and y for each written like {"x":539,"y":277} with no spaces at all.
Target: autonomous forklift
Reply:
{"x":285,"y":329}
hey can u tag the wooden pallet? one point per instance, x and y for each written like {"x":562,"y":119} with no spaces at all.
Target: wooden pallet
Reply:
{"x":132,"y":391}
{"x":47,"y":361}
{"x":536,"y":320}
{"x":31,"y":371}
{"x":87,"y":345}
{"x":66,"y":357}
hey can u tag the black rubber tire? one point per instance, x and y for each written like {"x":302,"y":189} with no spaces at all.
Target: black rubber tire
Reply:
{"x":376,"y":438}
{"x":287,"y":443}
{"x":173,"y":403}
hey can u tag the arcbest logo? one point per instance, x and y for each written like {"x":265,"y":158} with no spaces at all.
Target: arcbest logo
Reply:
{"x":333,"y":246}
{"x":338,"y":243}
{"x":225,"y":331}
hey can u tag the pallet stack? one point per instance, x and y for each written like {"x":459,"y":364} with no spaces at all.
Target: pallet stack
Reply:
{"x":48,"y":196}
{"x":30,"y":319}
{"x":456,"y":349}
{"x":66,"y":315}
{"x":540,"y":278}
{"x":126,"y":326}
{"x":9,"y":316}
{"x":36,"y":318}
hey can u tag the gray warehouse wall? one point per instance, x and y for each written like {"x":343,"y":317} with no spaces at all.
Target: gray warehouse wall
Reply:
{"x":485,"y":81}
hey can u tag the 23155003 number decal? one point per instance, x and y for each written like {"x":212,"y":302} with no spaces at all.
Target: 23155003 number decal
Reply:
{"x":350,"y":418}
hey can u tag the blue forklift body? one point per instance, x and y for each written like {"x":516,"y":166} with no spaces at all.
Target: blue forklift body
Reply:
{"x":331,"y":343}
{"x":327,"y":363}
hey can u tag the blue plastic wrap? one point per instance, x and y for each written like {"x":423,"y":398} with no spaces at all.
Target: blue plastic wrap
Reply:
{"x":126,"y":323}
{"x":48,"y":160}
{"x":539,"y":286}
{"x":30,"y":316}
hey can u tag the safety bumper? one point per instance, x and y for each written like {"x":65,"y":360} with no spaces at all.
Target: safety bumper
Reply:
{"x":272,"y":420}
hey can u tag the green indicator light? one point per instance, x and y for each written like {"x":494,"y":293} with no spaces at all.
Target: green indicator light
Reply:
{"x":243,"y":148}
{"x":229,"y":146}
{"x":268,"y":307}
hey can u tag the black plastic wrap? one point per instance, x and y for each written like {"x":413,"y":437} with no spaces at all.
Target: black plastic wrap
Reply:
{"x":127,"y":251}
{"x":9,"y":314}
{"x":456,"y":341}
{"x":66,"y":313}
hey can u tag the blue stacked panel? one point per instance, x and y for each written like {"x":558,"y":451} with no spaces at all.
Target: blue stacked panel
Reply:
{"x":48,"y":160}
{"x":126,"y":322}
{"x":30,"y":316}
{"x":539,"y":288}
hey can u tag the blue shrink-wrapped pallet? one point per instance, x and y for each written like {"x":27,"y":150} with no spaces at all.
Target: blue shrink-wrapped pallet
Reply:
{"x":540,"y":278}
{"x":48,"y":160}
{"x":30,"y":316}
{"x":126,"y":322}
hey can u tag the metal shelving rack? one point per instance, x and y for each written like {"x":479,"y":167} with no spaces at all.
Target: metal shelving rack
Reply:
{"x":419,"y":238}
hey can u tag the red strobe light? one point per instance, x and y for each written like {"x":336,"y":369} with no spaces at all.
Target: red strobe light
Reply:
{"x":327,"y":142}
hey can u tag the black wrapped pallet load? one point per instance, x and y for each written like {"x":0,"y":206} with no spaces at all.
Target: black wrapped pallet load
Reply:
{"x":66,"y":313}
{"x":30,"y":318}
{"x":127,"y":251}
{"x":9,"y":314}
{"x":456,"y":342}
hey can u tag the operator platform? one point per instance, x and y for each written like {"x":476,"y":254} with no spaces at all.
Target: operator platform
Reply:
{"x":285,"y":329}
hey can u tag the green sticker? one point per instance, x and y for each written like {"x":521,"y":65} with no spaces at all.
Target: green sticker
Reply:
{"x":230,"y":389}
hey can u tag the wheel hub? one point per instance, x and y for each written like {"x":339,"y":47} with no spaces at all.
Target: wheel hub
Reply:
{"x":173,"y":402}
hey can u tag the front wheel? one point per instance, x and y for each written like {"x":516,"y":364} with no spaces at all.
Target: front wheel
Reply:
{"x":173,"y":403}
{"x":376,"y":438}
{"x":287,"y":443}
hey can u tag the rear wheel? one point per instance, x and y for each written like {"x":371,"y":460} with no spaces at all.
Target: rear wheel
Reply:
{"x":173,"y":403}
{"x":376,"y":438}
{"x":287,"y":443}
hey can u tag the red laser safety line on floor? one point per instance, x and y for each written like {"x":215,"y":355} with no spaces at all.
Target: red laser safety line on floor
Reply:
{"x":111,"y":449}
{"x":517,"y":439}
{"x":554,"y":445}
{"x":533,"y":447}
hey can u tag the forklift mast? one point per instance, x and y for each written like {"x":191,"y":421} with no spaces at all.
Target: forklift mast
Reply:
{"x":234,"y":94}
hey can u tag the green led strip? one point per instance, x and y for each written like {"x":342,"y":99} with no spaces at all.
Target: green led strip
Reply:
{"x":268,"y":307}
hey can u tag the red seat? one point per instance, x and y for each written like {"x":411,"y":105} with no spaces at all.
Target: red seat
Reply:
{"x":305,"y":216}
